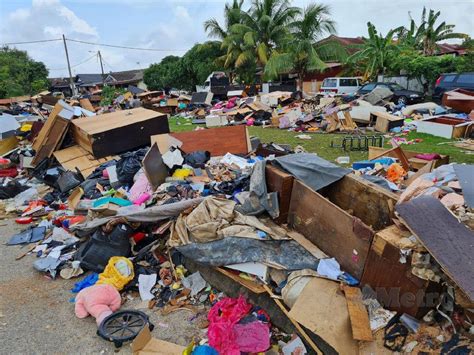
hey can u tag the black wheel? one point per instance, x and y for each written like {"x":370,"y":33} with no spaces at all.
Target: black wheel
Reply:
{"x":122,"y":326}
{"x":402,"y":100}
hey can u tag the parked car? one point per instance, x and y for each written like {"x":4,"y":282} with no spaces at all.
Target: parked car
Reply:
{"x":451,"y":81}
{"x":341,"y":85}
{"x":400,"y":94}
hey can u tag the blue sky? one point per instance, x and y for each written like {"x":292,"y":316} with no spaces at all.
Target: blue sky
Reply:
{"x":173,"y":26}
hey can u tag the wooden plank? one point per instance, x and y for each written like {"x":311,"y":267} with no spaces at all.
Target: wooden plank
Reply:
{"x":333,"y":230}
{"x":43,"y":133}
{"x":218,"y":141}
{"x":298,"y":327}
{"x":86,"y":104}
{"x":69,"y":153}
{"x":374,"y":151}
{"x":349,"y":121}
{"x":305,"y":243}
{"x":252,"y":286}
{"x":282,"y":183}
{"x":448,"y":241}
{"x":52,"y":141}
{"x":364,"y":199}
{"x":358,"y":314}
{"x":322,"y":309}
{"x":399,"y":154}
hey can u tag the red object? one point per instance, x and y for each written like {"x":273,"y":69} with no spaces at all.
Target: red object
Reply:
{"x":138,"y":236}
{"x":8,"y":172}
{"x":223,"y":316}
{"x":438,"y":81}
{"x":24,"y":220}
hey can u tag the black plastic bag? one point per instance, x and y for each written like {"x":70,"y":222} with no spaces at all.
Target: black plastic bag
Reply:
{"x":197,"y":159}
{"x":129,"y":164}
{"x":11,"y":189}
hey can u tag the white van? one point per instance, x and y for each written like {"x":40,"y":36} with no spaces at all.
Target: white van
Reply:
{"x":341,"y":85}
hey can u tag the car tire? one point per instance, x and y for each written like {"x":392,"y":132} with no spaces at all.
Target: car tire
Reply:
{"x":402,"y":100}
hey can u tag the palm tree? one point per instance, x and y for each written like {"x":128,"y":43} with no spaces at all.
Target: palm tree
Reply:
{"x":231,"y":17}
{"x":431,"y":34}
{"x":299,"y":53}
{"x":262,"y":29}
{"x":375,"y":51}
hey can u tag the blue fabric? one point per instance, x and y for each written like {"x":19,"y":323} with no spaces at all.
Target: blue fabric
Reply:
{"x":87,"y":281}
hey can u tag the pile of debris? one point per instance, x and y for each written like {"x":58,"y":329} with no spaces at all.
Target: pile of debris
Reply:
{"x":278,"y":250}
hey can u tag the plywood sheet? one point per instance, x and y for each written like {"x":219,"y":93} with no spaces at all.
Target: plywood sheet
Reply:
{"x":333,"y":230}
{"x":109,"y":121}
{"x":358,"y":314}
{"x":52,"y":141}
{"x":322,"y":309}
{"x":218,"y":141}
{"x":450,"y":242}
{"x":153,"y":166}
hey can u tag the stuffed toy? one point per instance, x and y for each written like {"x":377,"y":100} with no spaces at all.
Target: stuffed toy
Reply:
{"x":98,"y":301}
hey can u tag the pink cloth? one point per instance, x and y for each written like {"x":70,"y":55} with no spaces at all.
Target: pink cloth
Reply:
{"x":98,"y":301}
{"x":252,"y":337}
{"x":223,"y":316}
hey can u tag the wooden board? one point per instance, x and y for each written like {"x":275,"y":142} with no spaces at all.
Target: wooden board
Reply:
{"x":396,"y":287}
{"x":448,"y":241}
{"x":322,"y":309}
{"x":218,"y":141}
{"x":375,"y":151}
{"x":371,"y":203}
{"x":305,"y":243}
{"x":43,"y":133}
{"x":53,"y":140}
{"x":282,"y":183}
{"x":358,"y":314}
{"x":252,"y":286}
{"x":333,"y":230}
{"x":86,"y":104}
{"x":75,"y":157}
{"x":385,"y":122}
{"x":153,"y":166}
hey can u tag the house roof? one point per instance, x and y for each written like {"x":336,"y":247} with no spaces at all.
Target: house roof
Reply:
{"x":447,"y":48}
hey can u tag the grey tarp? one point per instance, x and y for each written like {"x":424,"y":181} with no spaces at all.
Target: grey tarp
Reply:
{"x":150,"y":215}
{"x":377,"y":180}
{"x":465,"y":174}
{"x":234,"y":250}
{"x":311,"y":169}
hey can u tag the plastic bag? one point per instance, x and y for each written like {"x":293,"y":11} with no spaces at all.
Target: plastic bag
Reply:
{"x":118,"y":272}
{"x":128,"y":166}
{"x":11,"y":189}
{"x":197,"y":159}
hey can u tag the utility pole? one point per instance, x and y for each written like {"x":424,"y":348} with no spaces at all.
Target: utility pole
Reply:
{"x":101,"y":68}
{"x":71,"y":81}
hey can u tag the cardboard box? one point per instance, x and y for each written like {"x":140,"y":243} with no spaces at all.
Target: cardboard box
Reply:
{"x":119,"y":131}
{"x":144,"y":343}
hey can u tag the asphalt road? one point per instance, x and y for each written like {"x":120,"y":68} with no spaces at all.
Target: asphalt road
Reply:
{"x":36,"y":316}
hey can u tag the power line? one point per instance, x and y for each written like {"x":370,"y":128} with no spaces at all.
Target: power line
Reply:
{"x":75,"y":65}
{"x":28,"y":42}
{"x":125,"y":47}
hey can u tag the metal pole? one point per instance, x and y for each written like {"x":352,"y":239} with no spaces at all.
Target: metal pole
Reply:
{"x":102,"y":68}
{"x":71,"y":81}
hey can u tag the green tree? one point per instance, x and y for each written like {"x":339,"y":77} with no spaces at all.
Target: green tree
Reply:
{"x":300,"y":54}
{"x":198,"y":63}
{"x":375,"y":51}
{"x":431,"y":33}
{"x":231,"y":17}
{"x":165,"y":75}
{"x":19,"y":74}
{"x":263,"y":28}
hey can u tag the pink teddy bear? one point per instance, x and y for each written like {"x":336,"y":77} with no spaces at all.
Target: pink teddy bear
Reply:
{"x":98,"y":301}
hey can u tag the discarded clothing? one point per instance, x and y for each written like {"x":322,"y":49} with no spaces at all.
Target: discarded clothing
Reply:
{"x":311,"y":169}
{"x":87,"y":281}
{"x":232,"y":250}
{"x":30,"y":235}
{"x":223,"y":316}
{"x":252,"y":337}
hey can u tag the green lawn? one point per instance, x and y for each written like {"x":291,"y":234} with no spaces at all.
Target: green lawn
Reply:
{"x":321,"y":142}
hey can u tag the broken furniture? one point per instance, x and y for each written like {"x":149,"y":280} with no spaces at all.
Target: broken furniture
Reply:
{"x":459,"y":99}
{"x":444,"y":126}
{"x":117,"y":132}
{"x":359,"y":143}
{"x":385,"y":122}
{"x":397,"y":288}
{"x":413,"y":161}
